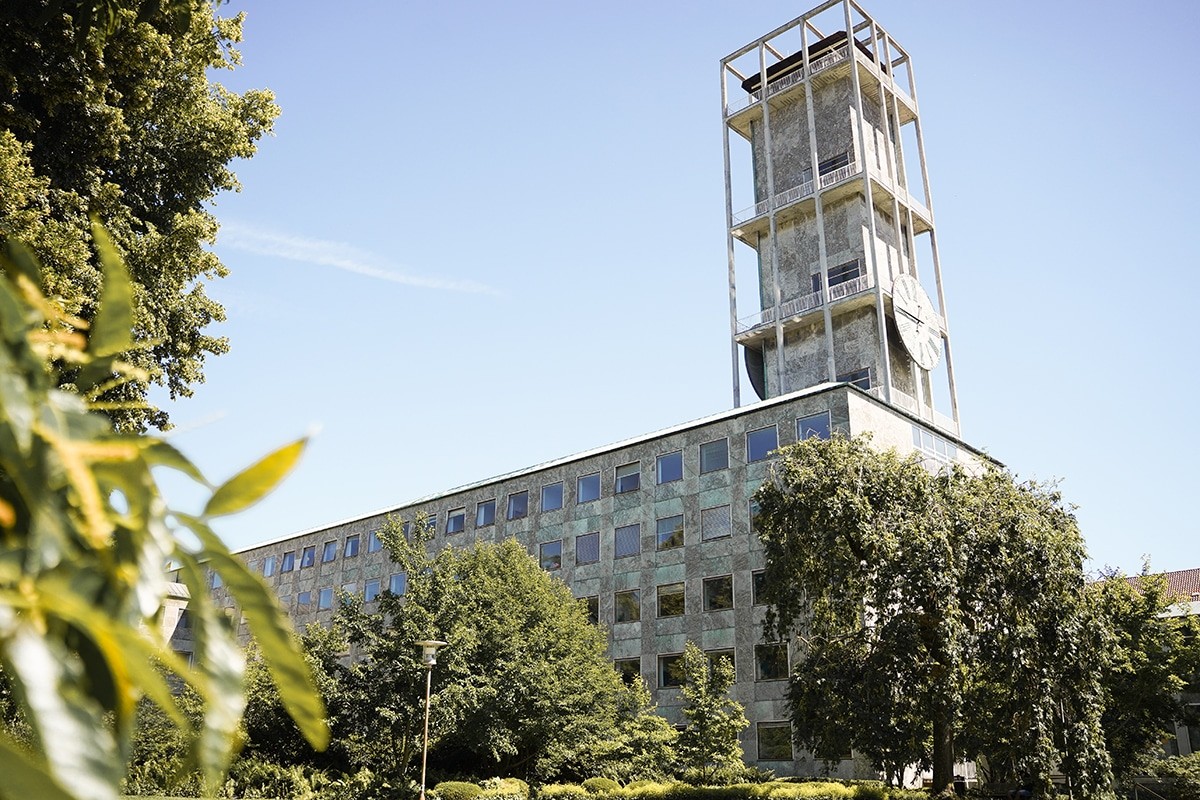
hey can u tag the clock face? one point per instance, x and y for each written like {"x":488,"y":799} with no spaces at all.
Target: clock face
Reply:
{"x":916,"y":321}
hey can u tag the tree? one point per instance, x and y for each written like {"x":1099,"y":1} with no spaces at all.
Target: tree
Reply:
{"x":938,"y":615}
{"x":523,"y":689}
{"x":644,"y":745}
{"x":85,"y":538}
{"x":1148,"y":656}
{"x":107,"y":110}
{"x":709,"y":745}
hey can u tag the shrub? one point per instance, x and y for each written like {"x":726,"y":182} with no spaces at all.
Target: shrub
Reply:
{"x":1180,"y":776}
{"x":504,"y":789}
{"x":811,"y":790}
{"x":456,"y":790}
{"x":563,"y":791}
{"x":870,"y":790}
{"x":601,"y":785}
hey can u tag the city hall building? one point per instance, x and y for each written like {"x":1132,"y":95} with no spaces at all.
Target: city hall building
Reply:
{"x":846,"y":331}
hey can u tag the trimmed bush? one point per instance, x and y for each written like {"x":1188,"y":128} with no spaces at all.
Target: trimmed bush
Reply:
{"x":564,"y":791}
{"x":504,"y":789}
{"x":870,"y":790}
{"x":601,"y":785}
{"x":456,"y":790}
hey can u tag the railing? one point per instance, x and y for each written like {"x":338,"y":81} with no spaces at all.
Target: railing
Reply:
{"x":789,"y":196}
{"x":791,"y":79}
{"x":804,"y":303}
{"x":909,"y":403}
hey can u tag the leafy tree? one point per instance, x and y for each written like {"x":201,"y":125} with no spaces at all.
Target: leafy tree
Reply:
{"x":643,"y":746}
{"x":524,"y":687}
{"x":708,"y":746}
{"x":1148,"y":657}
{"x":106,"y":109}
{"x":939,"y":616}
{"x":84,"y":540}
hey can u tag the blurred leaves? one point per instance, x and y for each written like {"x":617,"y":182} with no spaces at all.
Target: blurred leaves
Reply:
{"x":85,"y":544}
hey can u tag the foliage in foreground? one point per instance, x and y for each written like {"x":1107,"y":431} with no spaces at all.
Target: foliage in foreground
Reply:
{"x":940,"y":617}
{"x":709,"y":744}
{"x":84,"y":540}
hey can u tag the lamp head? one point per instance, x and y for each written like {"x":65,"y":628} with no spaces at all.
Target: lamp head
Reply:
{"x":429,"y":648}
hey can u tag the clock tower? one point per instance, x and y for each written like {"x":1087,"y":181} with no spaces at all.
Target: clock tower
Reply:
{"x":829,"y":213}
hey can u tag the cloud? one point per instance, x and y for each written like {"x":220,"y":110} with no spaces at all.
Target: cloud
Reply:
{"x":335,"y":254}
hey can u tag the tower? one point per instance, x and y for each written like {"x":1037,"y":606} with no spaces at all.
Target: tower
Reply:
{"x":840,"y":227}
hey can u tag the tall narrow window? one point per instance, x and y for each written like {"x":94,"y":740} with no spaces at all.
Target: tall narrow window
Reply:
{"x":351,"y":548}
{"x":289,"y":561}
{"x":456,"y":520}
{"x":593,"y":608}
{"x":552,"y":496}
{"x":308,"y":557}
{"x":714,"y":455}
{"x":668,"y":467}
{"x":670,"y":671}
{"x":629,"y":478}
{"x":587,"y":548}
{"x":550,"y":554}
{"x":485,"y":513}
{"x":398,"y":583}
{"x":329,"y":553}
{"x":518,"y":505}
{"x":325,"y":599}
{"x":371,"y":590}
{"x":715,"y":523}
{"x":627,"y":540}
{"x":670,"y":600}
{"x":268,"y":566}
{"x":374,"y":544}
{"x":627,"y":606}
{"x":587,"y":488}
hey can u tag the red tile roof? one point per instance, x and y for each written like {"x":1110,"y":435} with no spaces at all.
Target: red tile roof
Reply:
{"x":1180,"y":583}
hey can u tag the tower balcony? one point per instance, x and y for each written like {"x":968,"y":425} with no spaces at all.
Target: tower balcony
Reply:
{"x":751,"y":222}
{"x":910,"y":404}
{"x":798,"y":310}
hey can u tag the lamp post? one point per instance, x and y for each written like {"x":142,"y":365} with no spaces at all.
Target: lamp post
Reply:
{"x":429,"y":648}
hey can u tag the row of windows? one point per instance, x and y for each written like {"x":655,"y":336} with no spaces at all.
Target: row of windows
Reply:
{"x":770,"y":664}
{"x":397,"y":584}
{"x":715,"y":523}
{"x":670,"y":600}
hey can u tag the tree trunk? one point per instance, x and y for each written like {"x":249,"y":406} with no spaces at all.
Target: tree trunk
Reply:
{"x":943,"y":752}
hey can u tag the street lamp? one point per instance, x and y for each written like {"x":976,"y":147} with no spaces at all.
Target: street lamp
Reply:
{"x":429,"y":648}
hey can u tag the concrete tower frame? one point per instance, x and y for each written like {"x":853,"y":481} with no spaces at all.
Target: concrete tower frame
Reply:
{"x":800,"y":338}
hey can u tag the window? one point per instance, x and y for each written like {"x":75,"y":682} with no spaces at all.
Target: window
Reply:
{"x":552,"y":496}
{"x":774,"y":741}
{"x":718,"y":593}
{"x":842,"y":273}
{"x":813,"y":425}
{"x":350,"y":588}
{"x":670,"y":600}
{"x":752,"y":510}
{"x":374,"y":545}
{"x":627,"y":606}
{"x":630,"y":669}
{"x":760,"y":443}
{"x":289,"y":561}
{"x":714,"y":656}
{"x":670,"y":671}
{"x":859,"y":377}
{"x":714,"y":455}
{"x":518,"y":505}
{"x":627,"y":540}
{"x":304,"y":601}
{"x":398,"y":583}
{"x":833,"y":163}
{"x":214,"y":580}
{"x":485,"y":513}
{"x":371,"y":590}
{"x":329,"y":553}
{"x":669,"y":532}
{"x":770,"y":662}
{"x":758,"y":580}
{"x":669,"y":467}
{"x":587,"y":548}
{"x":587,"y":488}
{"x":715,"y":523}
{"x":308,"y":556}
{"x":325,"y":599}
{"x":351,"y":548}
{"x":934,"y":445}
{"x":593,"y":608}
{"x":629,"y":478}
{"x":550,"y":554}
{"x":456,"y":520}
{"x":268,"y":566}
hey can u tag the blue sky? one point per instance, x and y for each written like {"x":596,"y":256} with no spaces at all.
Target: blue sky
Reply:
{"x":486,"y":235}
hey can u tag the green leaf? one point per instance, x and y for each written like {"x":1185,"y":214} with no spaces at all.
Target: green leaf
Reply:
{"x":253,"y":483}
{"x":111,"y":329}
{"x":272,"y":631}
{"x":24,"y":778}
{"x":23,"y":261}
